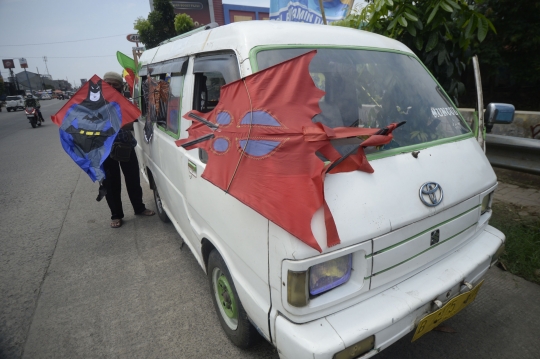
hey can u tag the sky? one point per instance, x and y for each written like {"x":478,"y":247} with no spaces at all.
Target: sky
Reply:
{"x":79,"y":37}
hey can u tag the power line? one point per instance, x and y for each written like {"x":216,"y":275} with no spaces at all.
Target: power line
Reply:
{"x":63,"y":42}
{"x":59,"y":57}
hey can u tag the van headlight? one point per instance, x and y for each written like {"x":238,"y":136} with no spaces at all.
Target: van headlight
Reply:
{"x":328,"y":275}
{"x":317,"y":279}
{"x":486,"y":203}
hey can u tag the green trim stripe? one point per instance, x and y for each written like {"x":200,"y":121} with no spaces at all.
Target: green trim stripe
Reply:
{"x":424,"y":251}
{"x":426,"y":231}
{"x":418,"y":147}
{"x":254,"y":51}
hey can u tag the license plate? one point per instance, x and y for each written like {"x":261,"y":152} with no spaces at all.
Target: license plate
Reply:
{"x":454,"y":306}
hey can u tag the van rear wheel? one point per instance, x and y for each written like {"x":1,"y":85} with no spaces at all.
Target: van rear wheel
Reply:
{"x":159,"y":206}
{"x":232,"y":316}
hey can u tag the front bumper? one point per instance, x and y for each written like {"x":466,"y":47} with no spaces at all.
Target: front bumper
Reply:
{"x":394,"y":312}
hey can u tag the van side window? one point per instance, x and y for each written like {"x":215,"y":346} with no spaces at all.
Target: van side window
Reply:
{"x":158,"y":96}
{"x":212,"y":72}
{"x":209,"y":86}
{"x":176,"y":83}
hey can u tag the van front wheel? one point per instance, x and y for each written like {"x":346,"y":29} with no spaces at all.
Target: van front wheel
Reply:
{"x":159,"y":206}
{"x":231,"y":313}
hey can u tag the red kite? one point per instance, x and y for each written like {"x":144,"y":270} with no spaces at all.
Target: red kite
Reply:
{"x":261,"y":145}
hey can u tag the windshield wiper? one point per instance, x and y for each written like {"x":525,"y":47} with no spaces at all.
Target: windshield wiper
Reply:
{"x":382,"y":131}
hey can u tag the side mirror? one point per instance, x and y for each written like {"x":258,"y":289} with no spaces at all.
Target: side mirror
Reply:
{"x":498,"y":113}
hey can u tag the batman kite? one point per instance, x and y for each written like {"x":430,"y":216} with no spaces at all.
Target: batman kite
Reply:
{"x":89,"y":123}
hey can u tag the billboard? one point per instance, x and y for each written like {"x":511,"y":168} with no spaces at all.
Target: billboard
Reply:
{"x":24,"y":64}
{"x":133,"y":38}
{"x":199,"y":10}
{"x":309,"y":10}
{"x":8,"y":64}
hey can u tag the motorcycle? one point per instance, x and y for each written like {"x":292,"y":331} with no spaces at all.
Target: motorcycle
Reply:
{"x":33,"y":116}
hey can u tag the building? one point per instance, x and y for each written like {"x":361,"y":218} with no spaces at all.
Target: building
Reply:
{"x":38,"y":82}
{"x":206,"y":11}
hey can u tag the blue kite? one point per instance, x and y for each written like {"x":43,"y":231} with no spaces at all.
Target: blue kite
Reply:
{"x":89,"y":123}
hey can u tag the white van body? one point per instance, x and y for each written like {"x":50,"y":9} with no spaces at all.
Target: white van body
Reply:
{"x":398,"y":275}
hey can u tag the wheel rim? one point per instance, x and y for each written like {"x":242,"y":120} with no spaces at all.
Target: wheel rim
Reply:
{"x":225,"y":298}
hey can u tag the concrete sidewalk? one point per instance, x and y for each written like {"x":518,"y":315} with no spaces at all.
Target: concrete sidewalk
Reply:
{"x":519,"y":196}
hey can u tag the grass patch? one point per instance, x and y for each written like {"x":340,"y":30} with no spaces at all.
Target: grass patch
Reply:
{"x":521,"y":226}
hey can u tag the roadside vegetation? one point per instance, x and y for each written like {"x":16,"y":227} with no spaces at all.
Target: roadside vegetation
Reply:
{"x":522,"y":230}
{"x":445,"y":34}
{"x":521,"y":225}
{"x":162,"y":24}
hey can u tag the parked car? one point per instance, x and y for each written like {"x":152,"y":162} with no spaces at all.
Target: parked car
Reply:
{"x":45,"y":96}
{"x":407,"y":258}
{"x":14,"y":103}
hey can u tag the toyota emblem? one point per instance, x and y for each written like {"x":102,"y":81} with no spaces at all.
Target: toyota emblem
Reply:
{"x":431,"y":194}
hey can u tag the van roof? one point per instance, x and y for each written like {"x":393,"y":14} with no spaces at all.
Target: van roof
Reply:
{"x":245,"y":35}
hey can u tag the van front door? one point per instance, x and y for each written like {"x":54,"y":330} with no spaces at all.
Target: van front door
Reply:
{"x":239,"y":233}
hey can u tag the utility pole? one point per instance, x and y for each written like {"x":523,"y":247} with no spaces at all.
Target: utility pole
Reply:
{"x":45,"y":59}
{"x":15,"y":78}
{"x":28,"y":79}
{"x":322,"y":11}
{"x":41,"y":78}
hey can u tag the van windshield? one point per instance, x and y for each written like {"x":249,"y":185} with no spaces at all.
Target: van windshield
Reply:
{"x":373,"y":89}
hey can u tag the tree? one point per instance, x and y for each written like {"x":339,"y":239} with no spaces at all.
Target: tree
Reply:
{"x":518,"y":43}
{"x":183,"y":23}
{"x":159,"y":26}
{"x":2,"y":87}
{"x":440,"y":32}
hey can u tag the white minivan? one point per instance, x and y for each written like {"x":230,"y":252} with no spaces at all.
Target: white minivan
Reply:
{"x":415,"y":240}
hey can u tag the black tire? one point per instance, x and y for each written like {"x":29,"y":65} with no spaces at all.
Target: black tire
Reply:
{"x":33,"y":122}
{"x":159,"y":206}
{"x":232,"y":316}
{"x":8,"y":110}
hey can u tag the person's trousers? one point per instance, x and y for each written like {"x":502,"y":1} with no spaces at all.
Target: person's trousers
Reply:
{"x":113,"y":184}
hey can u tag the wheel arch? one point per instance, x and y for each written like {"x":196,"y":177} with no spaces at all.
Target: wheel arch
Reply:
{"x":151,"y":182}
{"x":206,"y":248}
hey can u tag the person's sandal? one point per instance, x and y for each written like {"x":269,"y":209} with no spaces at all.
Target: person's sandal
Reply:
{"x":116,"y":223}
{"x":146,"y":212}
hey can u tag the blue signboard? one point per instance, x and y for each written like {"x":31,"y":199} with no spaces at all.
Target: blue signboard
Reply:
{"x":309,"y":10}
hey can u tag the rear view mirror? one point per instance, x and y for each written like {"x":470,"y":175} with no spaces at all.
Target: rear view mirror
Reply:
{"x":498,"y":113}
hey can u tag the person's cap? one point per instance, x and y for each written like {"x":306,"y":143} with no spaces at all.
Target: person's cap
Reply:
{"x":113,"y":76}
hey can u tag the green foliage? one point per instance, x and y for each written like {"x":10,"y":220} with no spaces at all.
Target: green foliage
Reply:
{"x":2,"y":87}
{"x":522,"y":253}
{"x":518,"y":41}
{"x":183,"y":23}
{"x":159,"y":26}
{"x":440,"y":32}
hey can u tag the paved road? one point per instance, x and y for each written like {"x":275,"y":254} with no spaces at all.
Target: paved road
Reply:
{"x":71,"y":287}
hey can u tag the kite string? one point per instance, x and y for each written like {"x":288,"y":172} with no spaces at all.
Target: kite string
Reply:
{"x":248,"y":136}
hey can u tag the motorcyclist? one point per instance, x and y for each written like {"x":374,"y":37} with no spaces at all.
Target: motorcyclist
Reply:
{"x":31,"y":101}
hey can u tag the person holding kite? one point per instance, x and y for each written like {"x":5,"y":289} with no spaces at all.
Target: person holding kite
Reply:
{"x":95,"y":120}
{"x":130,"y":169}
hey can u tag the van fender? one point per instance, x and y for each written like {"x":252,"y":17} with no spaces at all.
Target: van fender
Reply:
{"x":247,"y":294}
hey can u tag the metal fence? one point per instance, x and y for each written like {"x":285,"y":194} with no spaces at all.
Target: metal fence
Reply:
{"x":514,"y":153}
